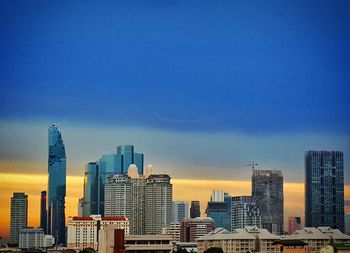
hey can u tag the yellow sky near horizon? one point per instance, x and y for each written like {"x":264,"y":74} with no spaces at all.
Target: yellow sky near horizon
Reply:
{"x":183,"y":189}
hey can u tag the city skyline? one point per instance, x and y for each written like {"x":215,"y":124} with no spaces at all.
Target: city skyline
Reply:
{"x":202,"y":89}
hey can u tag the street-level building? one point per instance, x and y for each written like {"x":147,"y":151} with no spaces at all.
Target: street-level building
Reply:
{"x":193,"y":228}
{"x":241,"y":240}
{"x":83,"y":231}
{"x":318,"y":238}
{"x":31,"y":238}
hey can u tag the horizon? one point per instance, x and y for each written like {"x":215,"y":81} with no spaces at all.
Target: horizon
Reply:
{"x":200,"y":88}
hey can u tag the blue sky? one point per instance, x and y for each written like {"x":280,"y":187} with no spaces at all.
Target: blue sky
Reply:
{"x":206,"y":72}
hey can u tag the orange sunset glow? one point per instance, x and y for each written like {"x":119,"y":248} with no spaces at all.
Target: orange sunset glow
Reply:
{"x":184,"y":189}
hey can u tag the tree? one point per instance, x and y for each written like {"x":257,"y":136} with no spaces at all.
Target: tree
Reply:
{"x":87,"y":250}
{"x":214,"y":250}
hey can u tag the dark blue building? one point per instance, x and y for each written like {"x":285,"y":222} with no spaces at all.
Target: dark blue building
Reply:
{"x":324,"y":189}
{"x":56,"y":186}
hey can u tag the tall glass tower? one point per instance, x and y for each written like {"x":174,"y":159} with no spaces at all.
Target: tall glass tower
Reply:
{"x":56,"y":186}
{"x":324,"y":189}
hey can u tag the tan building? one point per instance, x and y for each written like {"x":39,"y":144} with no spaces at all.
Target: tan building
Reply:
{"x":83,"y":231}
{"x":337,"y":248}
{"x":318,"y":238}
{"x":173,"y":230}
{"x":135,"y":243}
{"x":290,"y":246}
{"x":241,"y":240}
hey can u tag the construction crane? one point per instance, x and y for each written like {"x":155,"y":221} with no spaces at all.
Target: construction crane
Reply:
{"x":253,"y":164}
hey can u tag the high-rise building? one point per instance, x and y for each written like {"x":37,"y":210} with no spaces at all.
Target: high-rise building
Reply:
{"x":118,"y":201}
{"x":195,"y":209}
{"x":324,"y":189}
{"x":91,"y":189}
{"x":125,"y":196}
{"x":130,"y":157}
{"x":19,"y":215}
{"x":96,"y":174}
{"x":294,"y":223}
{"x":267,"y":190}
{"x":244,"y":212}
{"x":43,"y":211}
{"x":193,"y":228}
{"x":180,"y":211}
{"x":56,"y":186}
{"x":158,"y":200}
{"x":218,"y":210}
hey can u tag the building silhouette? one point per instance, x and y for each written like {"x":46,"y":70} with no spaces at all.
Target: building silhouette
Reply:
{"x":19,"y":215}
{"x":43,"y":211}
{"x":267,"y":190}
{"x":56,"y":186}
{"x":195,"y":209}
{"x":324,"y":189}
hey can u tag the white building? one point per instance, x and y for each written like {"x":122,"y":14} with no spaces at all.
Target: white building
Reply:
{"x":244,"y":212}
{"x":49,"y":241}
{"x":83,"y":231}
{"x":239,"y":241}
{"x":31,"y":238}
{"x":173,"y":230}
{"x":318,"y":238}
{"x":217,"y":196}
{"x":158,"y":200}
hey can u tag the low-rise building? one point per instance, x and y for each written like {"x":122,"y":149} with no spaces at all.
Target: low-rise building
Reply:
{"x":318,"y":238}
{"x":241,"y":240}
{"x":193,"y":228}
{"x":83,"y":231}
{"x":336,"y":248}
{"x":31,"y":238}
{"x":173,"y":230}
{"x":134,"y":243}
{"x":290,"y":246}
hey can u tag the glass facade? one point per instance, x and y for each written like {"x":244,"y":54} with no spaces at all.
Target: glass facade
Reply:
{"x":324,"y":189}
{"x":138,"y":161}
{"x":56,"y":186}
{"x":91,"y":189}
{"x":43,"y":211}
{"x":127,"y":151}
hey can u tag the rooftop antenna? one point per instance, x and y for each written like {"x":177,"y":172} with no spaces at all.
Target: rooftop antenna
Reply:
{"x":252,"y":164}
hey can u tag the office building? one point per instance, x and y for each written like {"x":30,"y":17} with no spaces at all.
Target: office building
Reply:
{"x":180,"y":211}
{"x":158,"y":203}
{"x":324,"y":189}
{"x":19,"y":215}
{"x":193,"y":228}
{"x":318,"y":238}
{"x":130,"y":157}
{"x":267,"y":191}
{"x":97,"y":173}
{"x":56,"y":186}
{"x":241,"y":240}
{"x":244,"y":212}
{"x":195,"y":209}
{"x":31,"y":238}
{"x":218,"y":210}
{"x":43,"y":211}
{"x":294,"y":223}
{"x":83,"y":232}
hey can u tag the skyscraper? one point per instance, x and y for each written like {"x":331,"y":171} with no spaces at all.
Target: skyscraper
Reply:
{"x":267,"y":190}
{"x":91,"y":189}
{"x":324,"y":189}
{"x":180,"y":211}
{"x":19,"y":215}
{"x":195,"y":209}
{"x":158,"y":200}
{"x":244,"y":213}
{"x":43,"y":212}
{"x":56,"y":186}
{"x":130,"y":157}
